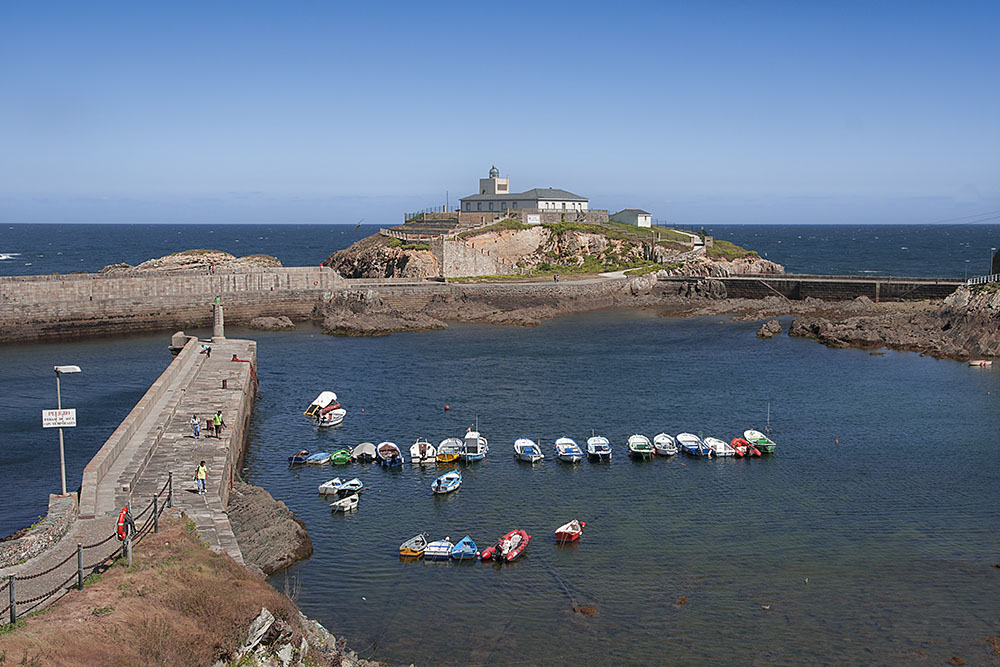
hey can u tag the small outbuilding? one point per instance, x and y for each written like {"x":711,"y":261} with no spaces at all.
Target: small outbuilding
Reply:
{"x":633,"y":216}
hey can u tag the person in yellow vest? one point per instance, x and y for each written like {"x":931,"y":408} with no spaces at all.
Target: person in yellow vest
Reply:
{"x":219,"y":423}
{"x":200,"y":473}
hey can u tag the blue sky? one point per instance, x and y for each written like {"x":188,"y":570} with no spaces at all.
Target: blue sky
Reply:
{"x":715,"y":112}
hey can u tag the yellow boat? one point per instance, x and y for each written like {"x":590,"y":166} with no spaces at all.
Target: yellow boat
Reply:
{"x":413,"y":547}
{"x":449,"y":450}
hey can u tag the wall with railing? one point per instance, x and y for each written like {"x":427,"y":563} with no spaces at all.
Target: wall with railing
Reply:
{"x":982,"y":280}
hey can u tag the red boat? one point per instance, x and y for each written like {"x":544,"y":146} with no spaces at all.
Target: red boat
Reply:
{"x":744,"y":447}
{"x":508,"y":547}
{"x":570,"y":532}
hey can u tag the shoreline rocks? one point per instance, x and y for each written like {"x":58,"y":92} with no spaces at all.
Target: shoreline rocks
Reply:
{"x":200,"y":260}
{"x":269,"y":535}
{"x":280,"y":323}
{"x":769,"y":329}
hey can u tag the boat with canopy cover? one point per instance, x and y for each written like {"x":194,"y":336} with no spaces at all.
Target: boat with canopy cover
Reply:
{"x":325,"y":410}
{"x":599,"y":448}
{"x":422,"y":453}
{"x":449,"y":450}
{"x":364,"y":453}
{"x":474,"y":447}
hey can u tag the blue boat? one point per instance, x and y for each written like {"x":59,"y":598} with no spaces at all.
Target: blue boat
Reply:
{"x":298,"y":457}
{"x":693,"y":445}
{"x":474,"y":447}
{"x":465,"y":549}
{"x":446,"y":483}
{"x":389,"y":454}
{"x":318,"y":459}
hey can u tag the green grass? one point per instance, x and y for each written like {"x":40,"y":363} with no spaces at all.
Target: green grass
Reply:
{"x":509,"y":223}
{"x":415,"y":246}
{"x":985,"y":288}
{"x":728,"y":251}
{"x":643,"y":270}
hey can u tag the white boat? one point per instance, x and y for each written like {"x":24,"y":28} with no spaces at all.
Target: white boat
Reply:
{"x":325,"y":410}
{"x":720,"y":447}
{"x":331,"y":487}
{"x":474,"y":447}
{"x":389,"y":454}
{"x":639,"y":447}
{"x":448,"y":482}
{"x":599,"y":448}
{"x":422,"y":453}
{"x":664,"y":444}
{"x":567,"y":450}
{"x":525,"y":449}
{"x":364,"y":453}
{"x":693,"y":445}
{"x":351,"y":486}
{"x":438,"y":550}
{"x":982,"y":363}
{"x":449,"y":450}
{"x":347,"y":504}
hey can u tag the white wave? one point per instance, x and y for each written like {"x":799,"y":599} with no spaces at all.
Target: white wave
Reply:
{"x":9,"y":255}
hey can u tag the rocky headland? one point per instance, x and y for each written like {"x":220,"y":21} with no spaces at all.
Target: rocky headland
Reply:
{"x":194,"y":260}
{"x":270,"y":536}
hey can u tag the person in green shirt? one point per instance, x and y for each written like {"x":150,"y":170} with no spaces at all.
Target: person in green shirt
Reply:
{"x":219,"y":423}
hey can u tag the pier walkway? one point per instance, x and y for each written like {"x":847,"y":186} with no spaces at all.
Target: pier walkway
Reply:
{"x":154,"y":440}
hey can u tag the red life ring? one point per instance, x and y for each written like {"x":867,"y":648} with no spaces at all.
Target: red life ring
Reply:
{"x":315,"y":282}
{"x":125,"y":524}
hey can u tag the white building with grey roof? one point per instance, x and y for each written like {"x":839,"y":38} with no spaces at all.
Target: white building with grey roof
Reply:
{"x":634,"y":216}
{"x":494,"y":196}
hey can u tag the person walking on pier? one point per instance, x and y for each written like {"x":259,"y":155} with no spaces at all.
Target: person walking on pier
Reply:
{"x":200,"y":473}
{"x":195,"y":427}
{"x":219,"y":423}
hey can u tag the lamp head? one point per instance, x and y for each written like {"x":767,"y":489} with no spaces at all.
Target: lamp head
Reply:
{"x":66,"y":369}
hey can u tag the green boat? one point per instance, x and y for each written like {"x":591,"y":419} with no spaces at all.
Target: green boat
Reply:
{"x":639,"y":447}
{"x":760,"y":441}
{"x":341,"y":457}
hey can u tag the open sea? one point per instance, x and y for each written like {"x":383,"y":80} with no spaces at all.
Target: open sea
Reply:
{"x":870,"y":537}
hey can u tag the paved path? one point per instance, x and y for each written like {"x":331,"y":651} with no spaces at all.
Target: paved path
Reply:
{"x":196,"y":390}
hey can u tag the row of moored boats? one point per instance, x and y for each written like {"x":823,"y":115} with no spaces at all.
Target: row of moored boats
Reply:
{"x":506,"y":548}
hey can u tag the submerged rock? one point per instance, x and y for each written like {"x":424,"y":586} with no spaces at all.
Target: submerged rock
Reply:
{"x":280,"y":323}
{"x":769,"y":329}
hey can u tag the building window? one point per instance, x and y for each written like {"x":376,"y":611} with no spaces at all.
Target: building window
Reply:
{"x":491,"y":206}
{"x":479,"y":207}
{"x":515,"y":205}
{"x":564,"y":204}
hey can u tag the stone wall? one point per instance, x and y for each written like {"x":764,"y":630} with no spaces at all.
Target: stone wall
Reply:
{"x":62,"y":511}
{"x":840,"y":288}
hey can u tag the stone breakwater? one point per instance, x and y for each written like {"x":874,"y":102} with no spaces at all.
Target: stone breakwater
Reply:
{"x":31,"y":541}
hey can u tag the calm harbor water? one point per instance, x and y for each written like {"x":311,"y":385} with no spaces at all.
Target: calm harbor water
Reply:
{"x":881,"y":493}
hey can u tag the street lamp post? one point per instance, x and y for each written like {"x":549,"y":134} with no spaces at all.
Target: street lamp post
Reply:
{"x":989,"y":267}
{"x":62,"y":452}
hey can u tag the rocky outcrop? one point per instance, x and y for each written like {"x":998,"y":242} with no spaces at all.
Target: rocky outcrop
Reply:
{"x":702,"y":265}
{"x":195,"y":260}
{"x":366,"y":314}
{"x":769,"y":329}
{"x":280,"y":323}
{"x":378,"y":256}
{"x":269,"y":535}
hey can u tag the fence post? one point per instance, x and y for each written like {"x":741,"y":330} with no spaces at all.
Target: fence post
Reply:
{"x":128,"y":547}
{"x":156,"y":517}
{"x":170,"y":489}
{"x":13,"y":600}
{"x":79,"y":566}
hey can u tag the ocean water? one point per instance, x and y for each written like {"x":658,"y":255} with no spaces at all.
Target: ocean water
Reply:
{"x":951,"y":251}
{"x":870,"y":535}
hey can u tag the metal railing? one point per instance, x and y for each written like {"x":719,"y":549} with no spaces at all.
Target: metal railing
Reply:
{"x":18,"y":607}
{"x":982,"y":280}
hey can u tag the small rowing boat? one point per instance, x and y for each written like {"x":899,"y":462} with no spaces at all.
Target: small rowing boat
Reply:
{"x":639,"y":447}
{"x":347,"y":504}
{"x":760,"y":441}
{"x":525,"y":449}
{"x":298,"y":457}
{"x":364,"y":453}
{"x":982,"y":363}
{"x":599,"y":448}
{"x":448,"y":482}
{"x":439,"y":550}
{"x":464,"y":549}
{"x":719,"y":447}
{"x":567,"y":450}
{"x":570,"y":532}
{"x":449,"y":450}
{"x":664,"y":444}
{"x":422,"y":453}
{"x":389,"y":454}
{"x":341,"y":457}
{"x":413,"y":547}
{"x":693,"y":445}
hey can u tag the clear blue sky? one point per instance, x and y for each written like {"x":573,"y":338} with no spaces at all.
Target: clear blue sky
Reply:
{"x":714,"y":112}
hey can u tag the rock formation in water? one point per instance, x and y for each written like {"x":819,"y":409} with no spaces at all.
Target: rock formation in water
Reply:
{"x":200,"y":260}
{"x":366,"y":314}
{"x":280,"y":323}
{"x":769,"y":329}
{"x":270,"y":536}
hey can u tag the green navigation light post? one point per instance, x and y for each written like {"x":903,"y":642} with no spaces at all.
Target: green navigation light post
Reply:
{"x":62,"y":452}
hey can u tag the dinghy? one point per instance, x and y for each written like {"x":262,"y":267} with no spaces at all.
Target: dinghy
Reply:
{"x":567,"y":450}
{"x":341,"y":457}
{"x":439,"y":550}
{"x":389,"y":454}
{"x":474,"y":447}
{"x":350,"y":486}
{"x":446,"y":483}
{"x":331,"y":487}
{"x":347,"y":504}
{"x":599,"y":448}
{"x":449,"y":450}
{"x":507,"y":548}
{"x":760,"y":441}
{"x":982,"y":363}
{"x":570,"y":532}
{"x":325,"y":410}
{"x":719,"y":447}
{"x":422,"y":453}
{"x":298,"y":457}
{"x":693,"y":445}
{"x":318,"y":459}
{"x":364,"y":453}
{"x":664,"y":444}
{"x":639,"y":447}
{"x":413,"y":547}
{"x":525,"y":449}
{"x":465,"y":549}
{"x":744,"y":448}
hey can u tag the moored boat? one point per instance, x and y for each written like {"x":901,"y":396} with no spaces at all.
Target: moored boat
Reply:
{"x":719,"y":447}
{"x":664,"y":444}
{"x":341,"y":457}
{"x":346,"y":504}
{"x":465,"y":549}
{"x":439,"y":550}
{"x":760,"y":441}
{"x":389,"y":454}
{"x":525,"y":449}
{"x":599,"y":448}
{"x":571,"y":531}
{"x":422,"y":453}
{"x":474,"y":447}
{"x":298,"y":457}
{"x":449,"y":450}
{"x":325,"y":410}
{"x":507,"y":548}
{"x":448,"y":482}
{"x":350,"y":486}
{"x":364,"y":453}
{"x":567,"y":450}
{"x":693,"y":445}
{"x":980,"y":362}
{"x":318,"y":459}
{"x":639,"y":447}
{"x":413,"y":547}
{"x":331,"y":487}
{"x":744,"y":448}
